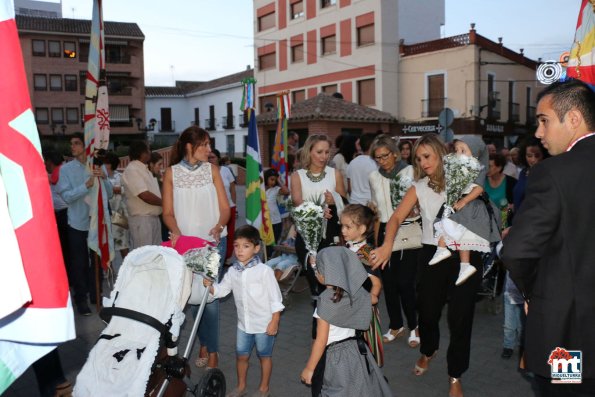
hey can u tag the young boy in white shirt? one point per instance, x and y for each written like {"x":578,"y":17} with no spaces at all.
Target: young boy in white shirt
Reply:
{"x":258,"y":302}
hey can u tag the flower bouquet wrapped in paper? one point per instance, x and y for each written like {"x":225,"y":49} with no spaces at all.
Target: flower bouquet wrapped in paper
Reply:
{"x":204,"y":261}
{"x":308,"y":219}
{"x":398,"y":187}
{"x":460,"y":171}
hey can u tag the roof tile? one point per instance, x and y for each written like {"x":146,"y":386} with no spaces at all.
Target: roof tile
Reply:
{"x":327,"y":107}
{"x":77,"y":26}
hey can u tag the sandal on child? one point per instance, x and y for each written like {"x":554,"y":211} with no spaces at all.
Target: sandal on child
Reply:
{"x":465,"y":272}
{"x":392,"y":334}
{"x":201,"y":362}
{"x":413,"y":339}
{"x":440,"y":255}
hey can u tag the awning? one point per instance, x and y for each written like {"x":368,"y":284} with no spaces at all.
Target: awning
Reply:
{"x":119,"y":113}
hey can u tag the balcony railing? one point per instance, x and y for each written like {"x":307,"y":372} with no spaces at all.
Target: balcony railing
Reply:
{"x":123,"y":91}
{"x":514,"y":115}
{"x":227,"y":122}
{"x":167,"y":127}
{"x":210,"y":124}
{"x":242,"y":120}
{"x":494,"y":110}
{"x":121,"y":59}
{"x":530,"y":115}
{"x":432,"y":107}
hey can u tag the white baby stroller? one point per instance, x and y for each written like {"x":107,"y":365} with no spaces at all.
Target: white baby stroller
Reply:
{"x":136,"y":354}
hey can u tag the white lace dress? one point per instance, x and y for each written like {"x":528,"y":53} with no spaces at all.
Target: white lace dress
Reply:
{"x":196,"y":206}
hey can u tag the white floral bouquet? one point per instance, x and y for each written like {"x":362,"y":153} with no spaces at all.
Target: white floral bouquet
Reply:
{"x":204,"y":261}
{"x":459,"y":171}
{"x":398,"y":187}
{"x":308,"y":218}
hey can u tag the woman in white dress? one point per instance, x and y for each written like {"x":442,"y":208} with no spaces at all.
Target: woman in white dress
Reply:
{"x":317,"y":182}
{"x":195,"y":204}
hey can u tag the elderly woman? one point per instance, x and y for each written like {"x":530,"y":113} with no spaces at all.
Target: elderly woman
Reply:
{"x":195,"y":204}
{"x":398,"y":277}
{"x":317,"y":182}
{"x":436,"y":284}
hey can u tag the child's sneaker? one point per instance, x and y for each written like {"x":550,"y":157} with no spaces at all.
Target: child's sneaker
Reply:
{"x":440,"y":255}
{"x":466,"y":271}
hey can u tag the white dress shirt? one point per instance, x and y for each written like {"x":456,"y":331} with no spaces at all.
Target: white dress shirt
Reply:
{"x":358,"y":172}
{"x":256,"y":294}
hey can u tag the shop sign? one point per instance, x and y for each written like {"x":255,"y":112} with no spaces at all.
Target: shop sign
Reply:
{"x":418,"y":129}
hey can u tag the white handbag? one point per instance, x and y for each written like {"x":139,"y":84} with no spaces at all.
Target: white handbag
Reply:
{"x":409,"y":235}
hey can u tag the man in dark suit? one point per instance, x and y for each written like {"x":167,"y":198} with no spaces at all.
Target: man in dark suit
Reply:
{"x":550,"y":250}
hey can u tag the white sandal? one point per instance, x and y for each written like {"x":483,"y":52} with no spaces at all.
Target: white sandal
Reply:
{"x":413,"y":339}
{"x":392,"y":334}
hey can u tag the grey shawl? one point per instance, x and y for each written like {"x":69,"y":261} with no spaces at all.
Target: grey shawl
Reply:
{"x":480,"y":152}
{"x":342,"y":268}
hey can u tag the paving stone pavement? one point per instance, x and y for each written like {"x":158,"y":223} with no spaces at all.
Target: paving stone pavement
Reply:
{"x":488,"y":375}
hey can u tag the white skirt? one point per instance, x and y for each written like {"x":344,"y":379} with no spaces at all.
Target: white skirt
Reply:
{"x":458,"y":238}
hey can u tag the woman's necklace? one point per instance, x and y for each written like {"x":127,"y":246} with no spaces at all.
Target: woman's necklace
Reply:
{"x":315,"y":178}
{"x":433,"y":185}
{"x":189,"y":166}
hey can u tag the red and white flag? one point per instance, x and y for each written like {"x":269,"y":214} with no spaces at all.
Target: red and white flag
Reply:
{"x":46,"y":319}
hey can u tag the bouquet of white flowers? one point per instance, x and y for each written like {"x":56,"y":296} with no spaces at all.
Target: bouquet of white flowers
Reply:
{"x":308,"y":219}
{"x":398,"y":187}
{"x":204,"y":261}
{"x":459,"y":172}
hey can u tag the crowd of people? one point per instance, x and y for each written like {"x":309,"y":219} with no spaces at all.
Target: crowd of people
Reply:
{"x":384,"y":204}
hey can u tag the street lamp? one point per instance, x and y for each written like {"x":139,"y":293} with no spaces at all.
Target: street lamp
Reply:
{"x":63,"y":128}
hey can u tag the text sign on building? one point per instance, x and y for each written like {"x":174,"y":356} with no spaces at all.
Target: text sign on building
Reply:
{"x":494,"y":128}
{"x":417,"y":129}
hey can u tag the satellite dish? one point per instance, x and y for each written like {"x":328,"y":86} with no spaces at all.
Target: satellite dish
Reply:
{"x":446,"y":117}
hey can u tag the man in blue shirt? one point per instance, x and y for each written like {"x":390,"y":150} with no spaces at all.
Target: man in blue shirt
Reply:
{"x":73,"y":186}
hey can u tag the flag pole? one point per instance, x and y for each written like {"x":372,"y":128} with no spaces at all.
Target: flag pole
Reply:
{"x":98,"y":303}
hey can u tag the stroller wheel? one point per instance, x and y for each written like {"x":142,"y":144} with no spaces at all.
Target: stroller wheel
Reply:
{"x":212,"y":384}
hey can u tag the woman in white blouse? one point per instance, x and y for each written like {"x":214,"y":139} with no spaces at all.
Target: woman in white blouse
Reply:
{"x":195,"y":204}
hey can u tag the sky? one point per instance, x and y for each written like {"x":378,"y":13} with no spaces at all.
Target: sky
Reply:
{"x":205,"y":39}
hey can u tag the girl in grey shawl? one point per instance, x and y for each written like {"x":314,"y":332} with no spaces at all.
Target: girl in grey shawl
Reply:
{"x":343,"y":311}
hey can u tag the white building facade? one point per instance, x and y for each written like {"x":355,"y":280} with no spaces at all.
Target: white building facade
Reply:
{"x":213,"y":105}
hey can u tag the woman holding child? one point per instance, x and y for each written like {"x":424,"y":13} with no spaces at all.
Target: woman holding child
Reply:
{"x":436,"y":283}
{"x":195,"y":204}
